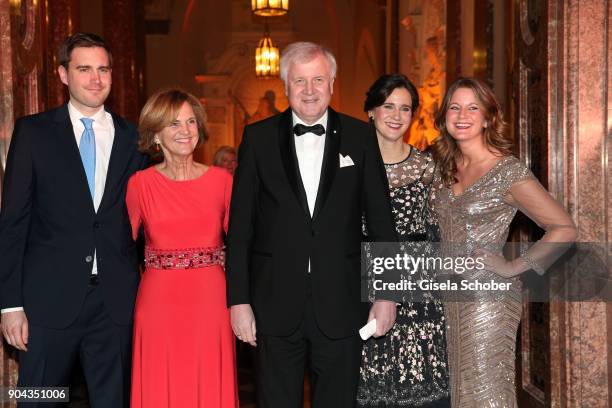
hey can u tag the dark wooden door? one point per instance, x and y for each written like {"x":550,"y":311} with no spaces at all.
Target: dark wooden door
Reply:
{"x":529,"y":122}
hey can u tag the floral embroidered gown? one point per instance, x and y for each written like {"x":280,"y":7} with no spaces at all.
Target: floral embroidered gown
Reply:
{"x":183,"y":353}
{"x":408,"y":366}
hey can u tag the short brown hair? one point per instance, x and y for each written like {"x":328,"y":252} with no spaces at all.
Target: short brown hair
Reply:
{"x":496,"y":136}
{"x":86,"y":40}
{"x":160,"y":110}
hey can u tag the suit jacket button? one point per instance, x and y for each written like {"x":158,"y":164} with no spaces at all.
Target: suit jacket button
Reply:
{"x":88,"y":258}
{"x":314,"y":233}
{"x":96,"y":224}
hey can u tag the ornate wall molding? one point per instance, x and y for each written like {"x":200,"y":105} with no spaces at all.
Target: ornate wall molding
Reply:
{"x":524,"y":122}
{"x":524,"y":22}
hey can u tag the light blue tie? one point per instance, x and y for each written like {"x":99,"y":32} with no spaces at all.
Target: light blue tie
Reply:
{"x":88,"y":154}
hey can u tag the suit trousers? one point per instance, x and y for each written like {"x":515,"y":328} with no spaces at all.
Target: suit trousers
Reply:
{"x":334,"y":366}
{"x":103,"y":347}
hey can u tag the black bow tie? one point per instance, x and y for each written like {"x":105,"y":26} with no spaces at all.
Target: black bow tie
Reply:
{"x":300,"y":129}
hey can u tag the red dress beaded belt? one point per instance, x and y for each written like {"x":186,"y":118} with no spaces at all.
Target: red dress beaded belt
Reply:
{"x":189,"y":258}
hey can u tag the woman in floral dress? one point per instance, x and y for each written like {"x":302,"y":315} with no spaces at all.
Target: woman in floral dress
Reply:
{"x":407,"y":367}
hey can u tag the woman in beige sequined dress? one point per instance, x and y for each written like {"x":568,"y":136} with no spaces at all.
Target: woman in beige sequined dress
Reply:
{"x":481,"y":186}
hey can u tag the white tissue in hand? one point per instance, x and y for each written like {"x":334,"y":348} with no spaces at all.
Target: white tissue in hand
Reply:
{"x":368,"y":330}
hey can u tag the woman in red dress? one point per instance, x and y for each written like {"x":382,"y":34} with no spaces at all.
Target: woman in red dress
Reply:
{"x":184,"y":354}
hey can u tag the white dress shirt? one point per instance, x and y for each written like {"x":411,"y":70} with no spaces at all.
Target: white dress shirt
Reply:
{"x":104,"y":131}
{"x":309,"y":149}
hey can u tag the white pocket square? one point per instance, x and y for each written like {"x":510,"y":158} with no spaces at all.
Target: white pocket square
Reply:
{"x":346,"y":161}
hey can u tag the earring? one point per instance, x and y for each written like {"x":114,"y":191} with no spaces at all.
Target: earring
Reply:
{"x":156,"y":141}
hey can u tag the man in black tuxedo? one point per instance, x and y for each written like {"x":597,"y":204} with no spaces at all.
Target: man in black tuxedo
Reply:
{"x":305,"y":177}
{"x":69,"y":268}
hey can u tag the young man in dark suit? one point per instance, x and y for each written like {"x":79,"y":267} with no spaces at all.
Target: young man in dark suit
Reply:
{"x":305,"y":177}
{"x":69,"y":268}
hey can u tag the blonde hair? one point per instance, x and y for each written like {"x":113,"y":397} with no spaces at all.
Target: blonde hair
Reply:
{"x":218,"y":156}
{"x":160,"y":110}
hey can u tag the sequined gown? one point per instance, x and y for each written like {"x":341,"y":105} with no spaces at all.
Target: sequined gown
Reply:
{"x":184,"y":347}
{"x":482,"y":333}
{"x":408,"y":367}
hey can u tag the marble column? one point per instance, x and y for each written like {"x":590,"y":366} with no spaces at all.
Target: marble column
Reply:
{"x":580,"y":143}
{"x":22,"y":80}
{"x":6,"y":84}
{"x":63,"y":20}
{"x":8,"y":364}
{"x":123,"y":22}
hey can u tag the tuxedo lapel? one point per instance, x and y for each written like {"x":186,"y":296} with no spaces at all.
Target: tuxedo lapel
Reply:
{"x":289,"y":159}
{"x":120,"y":154}
{"x":330,"y":160}
{"x":70,"y":156}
